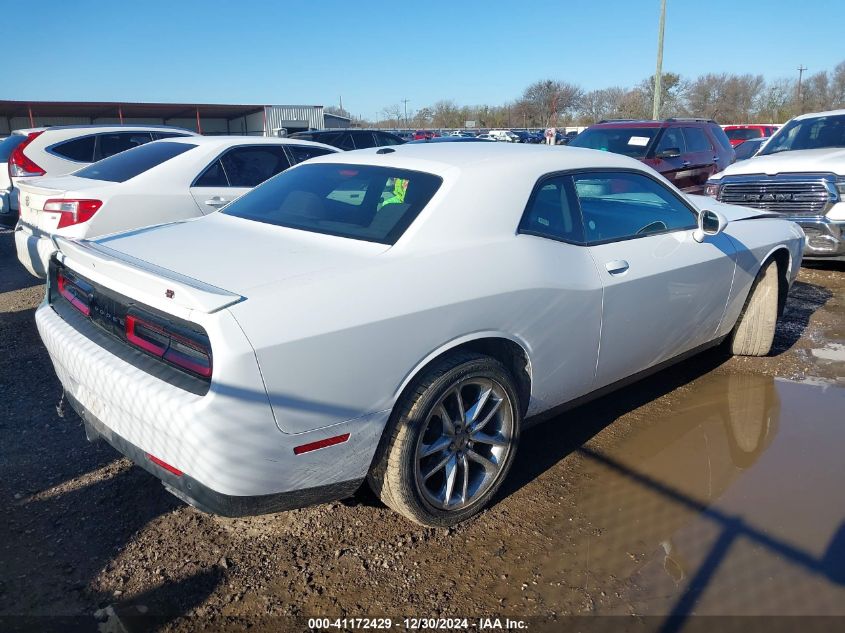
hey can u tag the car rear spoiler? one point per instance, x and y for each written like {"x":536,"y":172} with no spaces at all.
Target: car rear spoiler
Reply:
{"x":138,"y":275}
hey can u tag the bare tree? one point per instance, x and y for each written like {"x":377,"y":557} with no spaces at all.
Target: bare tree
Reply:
{"x":777,"y":101}
{"x":673,"y":90}
{"x":393,"y":113}
{"x":837,"y":86}
{"x":816,"y":93}
{"x":549,"y":99}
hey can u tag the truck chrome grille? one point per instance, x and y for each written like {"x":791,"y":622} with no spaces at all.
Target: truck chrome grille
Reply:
{"x":790,"y":196}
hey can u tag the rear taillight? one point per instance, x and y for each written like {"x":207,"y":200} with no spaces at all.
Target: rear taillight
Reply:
{"x":75,"y":295}
{"x":191,"y":353}
{"x":20,"y":165}
{"x":73,"y":211}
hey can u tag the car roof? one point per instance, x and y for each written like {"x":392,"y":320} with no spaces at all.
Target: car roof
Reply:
{"x":109,"y":127}
{"x":343,"y":129}
{"x":813,"y":115}
{"x":649,"y":123}
{"x":523,"y":160}
{"x":225,"y":141}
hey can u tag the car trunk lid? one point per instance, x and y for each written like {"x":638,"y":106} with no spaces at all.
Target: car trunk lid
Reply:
{"x":209,"y":263}
{"x":35,"y":192}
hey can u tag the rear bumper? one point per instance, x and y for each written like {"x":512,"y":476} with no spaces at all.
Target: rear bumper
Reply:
{"x":202,"y":497}
{"x":825,"y":238}
{"x":234,"y":458}
{"x":34,"y":249}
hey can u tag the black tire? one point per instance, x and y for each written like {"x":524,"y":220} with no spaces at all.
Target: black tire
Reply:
{"x":396,"y":474}
{"x":754,"y":331}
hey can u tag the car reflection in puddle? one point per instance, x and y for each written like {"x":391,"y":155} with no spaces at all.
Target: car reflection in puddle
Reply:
{"x":731,"y":504}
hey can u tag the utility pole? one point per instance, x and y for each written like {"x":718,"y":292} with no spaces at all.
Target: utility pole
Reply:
{"x":801,"y":69}
{"x":405,"y":103}
{"x":658,"y":75}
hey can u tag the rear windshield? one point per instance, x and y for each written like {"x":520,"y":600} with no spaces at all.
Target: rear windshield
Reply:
{"x":744,"y":134}
{"x":121,"y":167}
{"x":375,"y":204}
{"x":8,"y":145}
{"x":815,"y":133}
{"x":630,"y":141}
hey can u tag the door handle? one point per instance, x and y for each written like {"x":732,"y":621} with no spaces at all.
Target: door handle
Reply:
{"x":216,"y":201}
{"x":616,"y":267}
{"x":685,"y":163}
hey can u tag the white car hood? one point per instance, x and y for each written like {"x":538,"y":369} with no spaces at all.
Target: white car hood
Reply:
{"x":236,"y":254}
{"x":825,"y":160}
{"x":731,"y":212}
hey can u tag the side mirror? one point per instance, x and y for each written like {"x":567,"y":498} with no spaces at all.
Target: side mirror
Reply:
{"x":669,"y":152}
{"x":709,"y":223}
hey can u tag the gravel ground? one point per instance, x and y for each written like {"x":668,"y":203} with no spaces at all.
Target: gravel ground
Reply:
{"x":85,"y":532}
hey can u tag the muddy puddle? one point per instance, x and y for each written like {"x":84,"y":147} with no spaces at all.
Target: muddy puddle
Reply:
{"x":732,"y":504}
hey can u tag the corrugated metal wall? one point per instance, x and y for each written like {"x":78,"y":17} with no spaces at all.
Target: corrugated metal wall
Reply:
{"x":293,"y":118}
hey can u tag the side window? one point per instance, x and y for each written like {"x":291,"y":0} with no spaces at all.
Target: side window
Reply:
{"x":78,"y":149}
{"x":719,"y":134}
{"x":696,"y":140}
{"x":386,"y":139}
{"x":213,"y":176}
{"x":553,"y":212}
{"x":622,"y":205}
{"x":304,"y":152}
{"x":111,"y":144}
{"x":250,"y":166}
{"x":672,"y":139}
{"x":363,"y":140}
{"x":344,"y":142}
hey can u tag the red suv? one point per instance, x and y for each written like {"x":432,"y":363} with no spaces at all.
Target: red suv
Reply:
{"x":686,"y":151}
{"x":740,"y":133}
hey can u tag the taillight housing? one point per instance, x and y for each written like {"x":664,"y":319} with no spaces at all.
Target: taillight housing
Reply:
{"x":75,"y":292}
{"x":186,"y":350}
{"x":73,"y":211}
{"x":20,"y":165}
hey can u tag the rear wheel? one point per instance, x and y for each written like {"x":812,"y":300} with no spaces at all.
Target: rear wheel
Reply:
{"x":451,"y":441}
{"x":755,"y":330}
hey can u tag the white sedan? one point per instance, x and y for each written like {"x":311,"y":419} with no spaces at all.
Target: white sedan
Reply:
{"x":395,"y":315}
{"x":162,"y":181}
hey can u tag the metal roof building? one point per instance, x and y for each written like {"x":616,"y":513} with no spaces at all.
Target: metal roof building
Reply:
{"x":207,"y":118}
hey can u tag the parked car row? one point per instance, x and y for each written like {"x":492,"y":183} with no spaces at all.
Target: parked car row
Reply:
{"x":166,"y":181}
{"x":268,"y":323}
{"x":63,"y":149}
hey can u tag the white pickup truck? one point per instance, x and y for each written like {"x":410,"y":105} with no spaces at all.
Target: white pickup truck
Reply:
{"x":799,"y":173}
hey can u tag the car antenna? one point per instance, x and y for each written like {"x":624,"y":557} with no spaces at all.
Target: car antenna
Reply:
{"x":385,"y":150}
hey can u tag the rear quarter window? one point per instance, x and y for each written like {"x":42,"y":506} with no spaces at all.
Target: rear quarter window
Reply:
{"x":131,"y":163}
{"x":78,"y":149}
{"x":719,"y":136}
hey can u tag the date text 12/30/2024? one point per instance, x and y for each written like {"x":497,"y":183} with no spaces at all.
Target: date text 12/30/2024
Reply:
{"x":413,"y":624}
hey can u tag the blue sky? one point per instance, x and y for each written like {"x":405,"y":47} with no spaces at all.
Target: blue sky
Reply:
{"x":376,"y":53}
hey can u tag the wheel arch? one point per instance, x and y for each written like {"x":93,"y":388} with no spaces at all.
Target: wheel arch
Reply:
{"x":509,"y":350}
{"x":783,"y":258}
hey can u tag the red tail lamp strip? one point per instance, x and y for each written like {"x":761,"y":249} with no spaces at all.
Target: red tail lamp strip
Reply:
{"x":131,"y":323}
{"x":313,"y":446}
{"x":64,"y":289}
{"x":171,"y":469}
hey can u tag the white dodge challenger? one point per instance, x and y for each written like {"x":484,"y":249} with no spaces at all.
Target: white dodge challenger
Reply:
{"x":395,"y":315}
